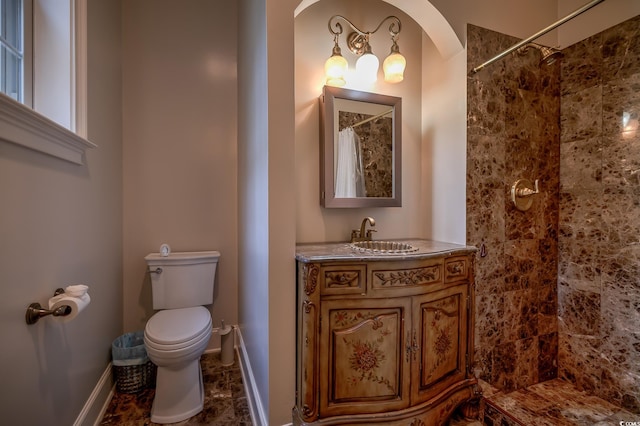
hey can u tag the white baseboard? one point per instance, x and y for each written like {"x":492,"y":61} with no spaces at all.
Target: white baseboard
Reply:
{"x":98,"y":401}
{"x":256,"y":408}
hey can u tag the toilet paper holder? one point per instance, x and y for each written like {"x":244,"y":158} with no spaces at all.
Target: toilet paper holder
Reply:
{"x":35,"y":310}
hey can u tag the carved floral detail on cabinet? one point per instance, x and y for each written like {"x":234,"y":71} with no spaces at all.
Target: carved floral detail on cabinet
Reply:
{"x":365,"y":360}
{"x":342,"y":279}
{"x":346,"y":318}
{"x":449,"y":406}
{"x":456,"y":269}
{"x":443,"y":344}
{"x":407,"y":277}
{"x":442,"y":330}
{"x":311,"y":272}
{"x":365,"y":352}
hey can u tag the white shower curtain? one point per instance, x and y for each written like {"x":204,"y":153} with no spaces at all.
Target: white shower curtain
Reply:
{"x":349,"y":170}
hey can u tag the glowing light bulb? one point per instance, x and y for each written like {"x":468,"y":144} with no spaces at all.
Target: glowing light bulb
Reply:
{"x":335,"y":69}
{"x":367,"y":67}
{"x":393,"y":67}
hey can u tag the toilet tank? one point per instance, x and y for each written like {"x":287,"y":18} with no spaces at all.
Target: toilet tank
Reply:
{"x":182,"y":280}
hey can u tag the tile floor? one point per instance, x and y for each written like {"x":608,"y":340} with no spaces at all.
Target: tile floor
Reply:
{"x":551,"y":403}
{"x":225,"y":402}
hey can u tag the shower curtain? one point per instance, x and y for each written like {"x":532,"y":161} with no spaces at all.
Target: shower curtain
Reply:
{"x":349,"y":171}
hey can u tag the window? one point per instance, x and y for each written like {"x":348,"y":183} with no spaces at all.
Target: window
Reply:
{"x":11,"y":51}
{"x":54,"y":121}
{"x":15,"y":49}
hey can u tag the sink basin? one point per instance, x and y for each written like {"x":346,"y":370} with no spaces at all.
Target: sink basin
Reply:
{"x":383,"y":247}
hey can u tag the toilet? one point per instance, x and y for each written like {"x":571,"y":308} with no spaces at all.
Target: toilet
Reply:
{"x":177,"y":335}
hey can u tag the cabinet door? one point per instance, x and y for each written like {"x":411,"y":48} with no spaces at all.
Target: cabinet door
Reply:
{"x":363,"y":363}
{"x":439,"y":341}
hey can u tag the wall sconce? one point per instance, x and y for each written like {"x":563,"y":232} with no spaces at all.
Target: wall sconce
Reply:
{"x":367,"y":64}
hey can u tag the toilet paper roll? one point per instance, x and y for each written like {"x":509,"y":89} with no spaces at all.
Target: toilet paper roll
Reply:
{"x":77,"y":305}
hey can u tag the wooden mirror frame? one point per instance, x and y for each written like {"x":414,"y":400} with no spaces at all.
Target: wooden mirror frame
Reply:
{"x":327,"y":148}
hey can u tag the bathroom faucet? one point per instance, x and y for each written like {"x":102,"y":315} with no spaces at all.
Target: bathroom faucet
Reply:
{"x":361,"y":235}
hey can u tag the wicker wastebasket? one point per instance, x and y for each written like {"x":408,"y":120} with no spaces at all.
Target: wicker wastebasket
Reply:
{"x":133,"y":371}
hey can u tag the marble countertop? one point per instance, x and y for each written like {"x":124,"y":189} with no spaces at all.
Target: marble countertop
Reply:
{"x":316,"y":252}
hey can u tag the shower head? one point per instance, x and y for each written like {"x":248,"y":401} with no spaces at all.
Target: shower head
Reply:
{"x":548,"y":54}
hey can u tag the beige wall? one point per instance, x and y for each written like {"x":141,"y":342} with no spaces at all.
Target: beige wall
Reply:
{"x":61,"y":224}
{"x":599,"y":18}
{"x":522,"y":20}
{"x":179,"y":137}
{"x":313,"y":44}
{"x":515,"y":18}
{"x":443,"y":168}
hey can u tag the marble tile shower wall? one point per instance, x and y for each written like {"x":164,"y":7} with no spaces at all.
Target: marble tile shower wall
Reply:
{"x":599,"y":236}
{"x":513,"y":132}
{"x":558,"y":287}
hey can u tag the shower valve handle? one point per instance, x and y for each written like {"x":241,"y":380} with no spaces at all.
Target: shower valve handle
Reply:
{"x":521,"y":193}
{"x":527,"y":192}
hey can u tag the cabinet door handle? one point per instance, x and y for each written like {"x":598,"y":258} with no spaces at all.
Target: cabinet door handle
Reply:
{"x":411,"y":347}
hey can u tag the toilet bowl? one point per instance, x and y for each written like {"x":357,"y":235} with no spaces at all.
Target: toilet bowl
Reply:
{"x":175,"y":340}
{"x":177,"y":335}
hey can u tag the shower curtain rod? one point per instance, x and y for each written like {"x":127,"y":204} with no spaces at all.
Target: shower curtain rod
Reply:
{"x":366,"y":120}
{"x":536,"y":35}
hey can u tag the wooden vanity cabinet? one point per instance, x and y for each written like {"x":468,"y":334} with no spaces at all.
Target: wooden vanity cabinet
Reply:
{"x":384,"y":342}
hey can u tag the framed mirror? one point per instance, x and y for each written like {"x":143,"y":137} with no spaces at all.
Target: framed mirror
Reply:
{"x":360,"y":149}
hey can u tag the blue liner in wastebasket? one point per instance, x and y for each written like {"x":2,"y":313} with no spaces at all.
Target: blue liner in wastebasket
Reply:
{"x":132,"y":368}
{"x":129,"y":349}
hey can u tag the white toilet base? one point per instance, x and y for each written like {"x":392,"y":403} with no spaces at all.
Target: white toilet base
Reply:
{"x":179,"y":393}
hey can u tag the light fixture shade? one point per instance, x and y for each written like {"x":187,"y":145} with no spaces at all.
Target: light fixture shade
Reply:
{"x":393,"y":67}
{"x":335,"y":69}
{"x":367,"y":67}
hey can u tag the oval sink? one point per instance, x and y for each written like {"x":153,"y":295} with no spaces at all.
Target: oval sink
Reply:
{"x":383,"y":247}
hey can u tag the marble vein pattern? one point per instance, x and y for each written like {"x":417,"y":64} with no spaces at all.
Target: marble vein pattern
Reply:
{"x":513,"y":133}
{"x":339,"y":252}
{"x":599,"y":236}
{"x":552,"y":403}
{"x":225,"y":402}
{"x":567,"y":272}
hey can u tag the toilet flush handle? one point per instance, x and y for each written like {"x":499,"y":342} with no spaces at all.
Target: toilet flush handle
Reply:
{"x":155,"y":271}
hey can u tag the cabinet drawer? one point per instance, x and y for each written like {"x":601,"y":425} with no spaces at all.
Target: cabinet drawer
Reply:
{"x":343,"y":279}
{"x":456,"y":269}
{"x":401,"y":275}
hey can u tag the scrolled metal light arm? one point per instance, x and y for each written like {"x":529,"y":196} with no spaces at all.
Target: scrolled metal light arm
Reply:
{"x":358,"y":40}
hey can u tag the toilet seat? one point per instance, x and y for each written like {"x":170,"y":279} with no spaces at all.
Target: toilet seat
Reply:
{"x":175,"y":329}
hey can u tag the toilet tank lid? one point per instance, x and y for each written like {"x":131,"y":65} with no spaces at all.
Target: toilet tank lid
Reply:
{"x":183,"y":257}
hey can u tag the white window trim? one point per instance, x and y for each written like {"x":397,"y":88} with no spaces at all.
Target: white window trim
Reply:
{"x":79,"y":71}
{"x":21,"y":125}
